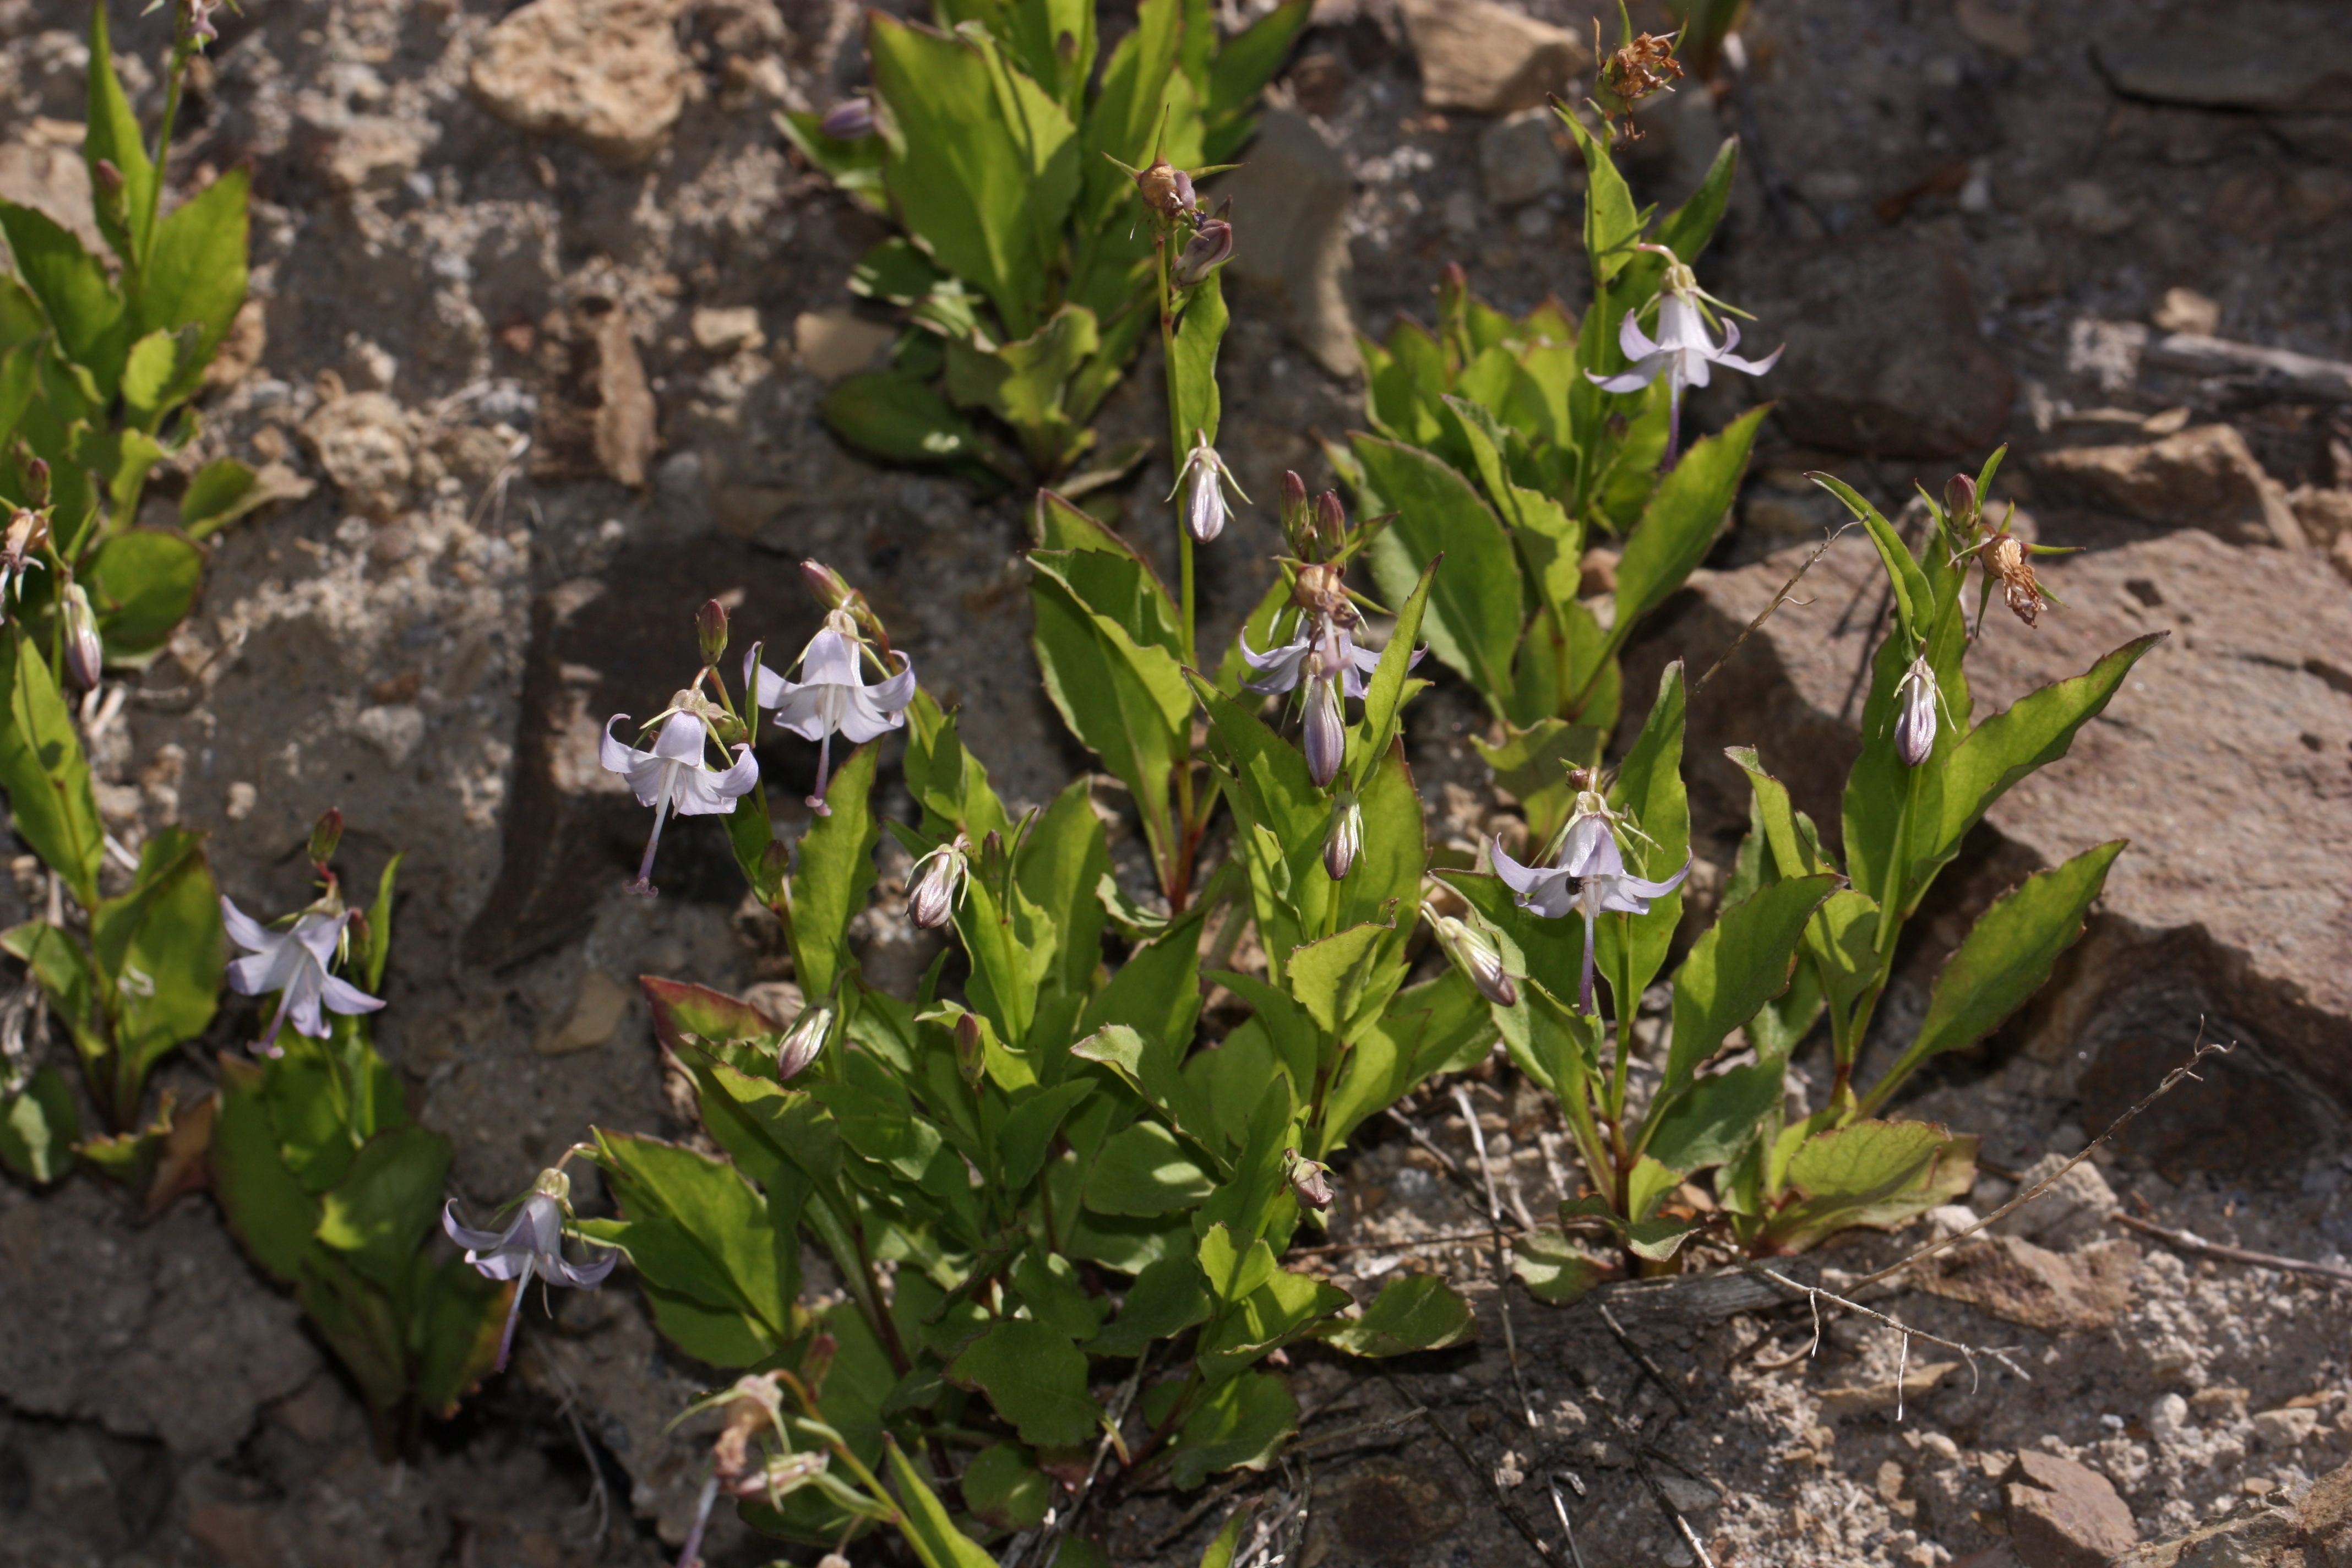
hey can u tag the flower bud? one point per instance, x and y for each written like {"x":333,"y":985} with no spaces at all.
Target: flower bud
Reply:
{"x":1344,"y":839}
{"x":818,"y":1362}
{"x":1296,"y":518}
{"x":1915,"y":719}
{"x":806,"y":1039}
{"x":1331,"y":523}
{"x":848,"y":120}
{"x":993,"y":862}
{"x":832,"y":590}
{"x":1326,"y":736}
{"x":1209,"y":245}
{"x":1204,"y":500}
{"x":1310,"y":1180}
{"x":710,"y":630}
{"x":971,"y":1051}
{"x":1960,"y":499}
{"x":553,"y":1184}
{"x":775,"y":861}
{"x":1474,"y":952}
{"x":326,"y":833}
{"x":85,"y":654}
{"x":36,"y":482}
{"x":939,"y":878}
{"x":110,"y":180}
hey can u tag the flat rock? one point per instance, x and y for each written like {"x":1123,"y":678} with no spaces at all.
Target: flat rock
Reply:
{"x":2223,"y":759}
{"x":2315,"y":1534}
{"x":1886,"y":353}
{"x":2277,"y":57}
{"x":1290,"y":228}
{"x":1488,"y":58}
{"x":1518,"y":160}
{"x":604,"y":73}
{"x":2064,"y":1515}
{"x":2019,"y":1282}
{"x":2201,"y":478}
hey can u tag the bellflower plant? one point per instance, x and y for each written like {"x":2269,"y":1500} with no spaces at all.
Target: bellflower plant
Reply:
{"x":531,"y":1244}
{"x":1685,"y":350}
{"x":832,"y":697}
{"x":1202,"y":480}
{"x":1588,"y":877}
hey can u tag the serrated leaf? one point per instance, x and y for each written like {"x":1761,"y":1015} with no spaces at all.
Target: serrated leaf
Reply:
{"x":1413,"y":1313}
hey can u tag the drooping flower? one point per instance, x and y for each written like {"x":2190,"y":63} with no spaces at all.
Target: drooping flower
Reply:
{"x":1285,"y":666}
{"x":1914,"y":714}
{"x":531,"y":1244}
{"x":832,"y":695}
{"x":1310,"y":1180}
{"x":1323,"y":736}
{"x":1202,"y":480}
{"x":1474,"y":952}
{"x":294,"y":963}
{"x":1211,"y":244}
{"x":1588,"y":879}
{"x":27,"y":531}
{"x":1685,"y":350}
{"x":672,"y":777}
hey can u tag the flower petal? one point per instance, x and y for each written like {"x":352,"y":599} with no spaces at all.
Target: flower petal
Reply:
{"x":246,"y":931}
{"x":1752,"y":366}
{"x":616,"y":754}
{"x":585,"y":1276}
{"x":342,"y":996}
{"x":466,"y":1236}
{"x":1656,"y":890}
{"x":1634,"y":380}
{"x":831,"y":660}
{"x":680,"y":740}
{"x":1635,"y":343}
{"x":898,"y":691}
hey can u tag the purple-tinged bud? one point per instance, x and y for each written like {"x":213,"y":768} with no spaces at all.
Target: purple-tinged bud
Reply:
{"x":710,"y":630}
{"x":109,"y":178}
{"x":1296,"y":518}
{"x":1205,"y":500}
{"x":1331,"y":523}
{"x":775,"y":861}
{"x":971,"y":1049}
{"x":832,"y":590}
{"x":1960,"y":499}
{"x":1474,"y":952}
{"x":818,"y":1362}
{"x":936,"y":881}
{"x":1914,"y":716}
{"x":1209,"y":245}
{"x":326,"y":834}
{"x":994,"y":862}
{"x":848,"y":120}
{"x":1344,"y":839}
{"x":1326,"y":735}
{"x":85,"y":653}
{"x":1310,"y":1180}
{"x":805,"y":1039}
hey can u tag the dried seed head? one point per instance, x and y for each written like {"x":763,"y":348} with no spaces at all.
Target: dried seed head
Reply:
{"x":2018,"y":590}
{"x":1167,"y":190}
{"x":1320,"y":591}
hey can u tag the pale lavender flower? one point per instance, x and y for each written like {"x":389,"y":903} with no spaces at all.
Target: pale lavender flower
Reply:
{"x":1915,"y":719}
{"x":937,"y":881}
{"x":1590,"y":880}
{"x":832,"y":696}
{"x":1324,"y":735}
{"x":1202,"y":480}
{"x":1344,"y":839}
{"x":294,"y":963}
{"x":1685,"y":351}
{"x":1211,"y":244}
{"x":848,"y":120}
{"x":1286,"y":665}
{"x":672,"y":777}
{"x":531,"y":1244}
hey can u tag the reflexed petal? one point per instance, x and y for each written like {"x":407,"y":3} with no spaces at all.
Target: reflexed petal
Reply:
{"x":1634,"y":380}
{"x":1752,"y":366}
{"x":246,"y":931}
{"x":1282,"y":665}
{"x":1645,"y":890}
{"x":772,"y":686}
{"x":862,"y":720}
{"x":585,"y":1276}
{"x":342,"y":996}
{"x":1632,"y":340}
{"x":898,"y":691}
{"x":503,"y":1264}
{"x":617,"y":755}
{"x":466,"y":1236}
{"x":302,"y":1002}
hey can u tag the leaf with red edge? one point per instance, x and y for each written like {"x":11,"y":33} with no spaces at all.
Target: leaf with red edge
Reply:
{"x":680,"y":1007}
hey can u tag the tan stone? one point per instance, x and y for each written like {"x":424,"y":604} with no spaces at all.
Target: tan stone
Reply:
{"x":2013,"y":1279}
{"x":2325,"y":514}
{"x":601,"y":1004}
{"x":835,"y":343}
{"x":1488,"y":58}
{"x":361,"y":441}
{"x":2203,"y":477}
{"x":2064,"y":1515}
{"x":604,"y":73}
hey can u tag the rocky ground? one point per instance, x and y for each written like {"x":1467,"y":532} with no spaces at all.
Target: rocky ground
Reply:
{"x":2111,"y":232}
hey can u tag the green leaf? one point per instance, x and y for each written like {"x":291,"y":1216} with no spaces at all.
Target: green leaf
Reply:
{"x":1686,"y":230}
{"x":142,"y":583}
{"x":460,"y":1325}
{"x":1474,"y":621}
{"x":926,"y":1525}
{"x":1034,"y":1377}
{"x":1131,"y":113}
{"x":110,"y":135}
{"x":1714,"y":1120}
{"x":1144,"y":1170}
{"x":1869,"y":1174}
{"x":1391,"y":683}
{"x":1659,"y":1240}
{"x":1239,"y":1424}
{"x":1228,"y":1539}
{"x":946,"y":780}
{"x":266,"y":1206}
{"x":2031,"y":734}
{"x":833,"y":877}
{"x":1062,"y":862}
{"x":1150,"y":1072}
{"x":195,"y":274}
{"x":1192,"y":367}
{"x":2006,"y":957}
{"x":1679,"y":525}
{"x":388,"y":1199}
{"x":225,"y":489}
{"x":680,"y":1008}
{"x":1612,"y":223}
{"x":1234,"y":1270}
{"x":1005,"y":1489}
{"x":1243,"y":66}
{"x":1549,"y":540}
{"x":43,"y":770}
{"x":894,"y":272}
{"x":1283,"y":1307}
{"x":1345,"y":979}
{"x":1913,"y":599}
{"x":1413,"y":1313}
{"x":1554,"y":1269}
{"x":698,"y":1233}
{"x":895,"y":415}
{"x":1024,"y":383}
{"x":38,"y":1127}
{"x":163,"y":947}
{"x":1028,"y":1133}
{"x":1743,"y":961}
{"x":73,"y":288}
{"x":1168,"y":1297}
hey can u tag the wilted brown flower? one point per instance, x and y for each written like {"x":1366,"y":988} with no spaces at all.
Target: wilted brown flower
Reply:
{"x":2005,"y":559}
{"x":1167,"y":190}
{"x":1642,"y":66}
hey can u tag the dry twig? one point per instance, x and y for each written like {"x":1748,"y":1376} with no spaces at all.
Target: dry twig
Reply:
{"x":2190,"y":1241}
{"x":1502,"y":1263}
{"x":1778,"y":599}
